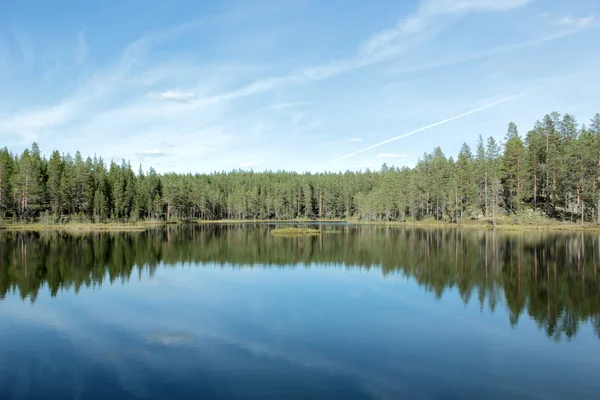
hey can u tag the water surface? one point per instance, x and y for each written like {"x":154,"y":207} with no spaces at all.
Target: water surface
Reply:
{"x":360,"y":312}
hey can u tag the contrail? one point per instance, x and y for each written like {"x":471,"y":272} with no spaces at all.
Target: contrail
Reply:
{"x":429,"y":127}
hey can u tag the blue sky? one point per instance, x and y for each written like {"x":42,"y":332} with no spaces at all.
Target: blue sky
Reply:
{"x":199,"y":86}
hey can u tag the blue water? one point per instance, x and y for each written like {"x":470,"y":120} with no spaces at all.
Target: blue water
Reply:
{"x":223,"y":332}
{"x":357,"y":312}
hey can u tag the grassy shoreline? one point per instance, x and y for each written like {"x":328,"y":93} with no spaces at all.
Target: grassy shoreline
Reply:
{"x":542,"y":225}
{"x":550,"y":226}
{"x":82,"y":226}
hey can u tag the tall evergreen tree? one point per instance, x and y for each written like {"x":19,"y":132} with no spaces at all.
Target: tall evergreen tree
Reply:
{"x":493,"y":163}
{"x":467,"y":187}
{"x":512,"y":171}
{"x":55,"y":176}
{"x":7,"y":166}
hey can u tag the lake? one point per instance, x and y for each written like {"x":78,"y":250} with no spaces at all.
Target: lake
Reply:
{"x":359,"y":312}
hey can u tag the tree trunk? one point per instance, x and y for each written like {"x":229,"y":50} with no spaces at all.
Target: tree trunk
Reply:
{"x":485,"y":185}
{"x":598,"y":206}
{"x":547,"y":168}
{"x":598,"y":182}
{"x":494,"y":208}
{"x":456,"y":209}
{"x":1,"y":194}
{"x":320,"y":205}
{"x":534,"y":183}
{"x":554,"y":175}
{"x":519,"y":185}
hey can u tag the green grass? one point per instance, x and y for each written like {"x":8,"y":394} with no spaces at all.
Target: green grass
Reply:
{"x":82,"y":226}
{"x":542,"y":225}
{"x":295,"y":232}
{"x":513,"y":223}
{"x":253,"y":221}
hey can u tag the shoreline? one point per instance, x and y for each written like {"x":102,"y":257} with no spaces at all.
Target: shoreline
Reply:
{"x":548,"y":226}
{"x":82,"y":226}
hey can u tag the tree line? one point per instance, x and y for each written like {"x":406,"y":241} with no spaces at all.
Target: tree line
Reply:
{"x":554,"y":170}
{"x":549,"y":278}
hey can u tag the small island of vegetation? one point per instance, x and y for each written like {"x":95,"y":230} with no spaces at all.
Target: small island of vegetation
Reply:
{"x":295,"y":232}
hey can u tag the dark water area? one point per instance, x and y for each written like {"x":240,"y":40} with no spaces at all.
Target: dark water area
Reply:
{"x":359,"y":312}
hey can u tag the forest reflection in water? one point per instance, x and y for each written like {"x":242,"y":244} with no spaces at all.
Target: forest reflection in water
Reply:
{"x":551,"y":278}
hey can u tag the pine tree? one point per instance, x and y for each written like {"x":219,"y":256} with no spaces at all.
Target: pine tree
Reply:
{"x":28,"y":183}
{"x":595,"y":130}
{"x":481,"y":168}
{"x":7,"y":167}
{"x":55,"y":176}
{"x":512,"y":168}
{"x":534,"y":155}
{"x":492,"y":155}
{"x":467,"y":185}
{"x":585,"y":169}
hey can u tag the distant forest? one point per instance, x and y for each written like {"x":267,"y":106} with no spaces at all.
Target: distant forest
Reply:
{"x":554,"y":169}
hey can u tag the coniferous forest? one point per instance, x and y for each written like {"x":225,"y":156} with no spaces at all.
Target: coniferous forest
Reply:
{"x":551,"y":170}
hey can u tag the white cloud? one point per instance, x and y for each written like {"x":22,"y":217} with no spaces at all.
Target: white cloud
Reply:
{"x":454,"y":6}
{"x":248,"y":164}
{"x":424,"y":128}
{"x":543,"y":15}
{"x":288,"y":105}
{"x":107,"y":103}
{"x":391,"y":155}
{"x":27,"y":123}
{"x":487,"y":53}
{"x":576,"y":22}
{"x":152,"y":152}
{"x":174,"y":95}
{"x":568,"y":20}
{"x":427,"y":22}
{"x":81,"y":49}
{"x":104,"y":86}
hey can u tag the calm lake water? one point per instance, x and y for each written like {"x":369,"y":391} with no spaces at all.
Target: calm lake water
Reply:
{"x":360,"y":312}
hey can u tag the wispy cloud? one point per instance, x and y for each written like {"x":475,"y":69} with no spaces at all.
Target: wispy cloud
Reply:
{"x":442,"y":122}
{"x":568,"y":20}
{"x":578,"y":22}
{"x":288,"y":105}
{"x":391,"y":155}
{"x":26,"y":49}
{"x":173,"y":95}
{"x":430,"y":19}
{"x":543,"y":15}
{"x":490,"y":52}
{"x":152,"y":153}
{"x":213,"y":108}
{"x":27,"y":123}
{"x":81,"y":49}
